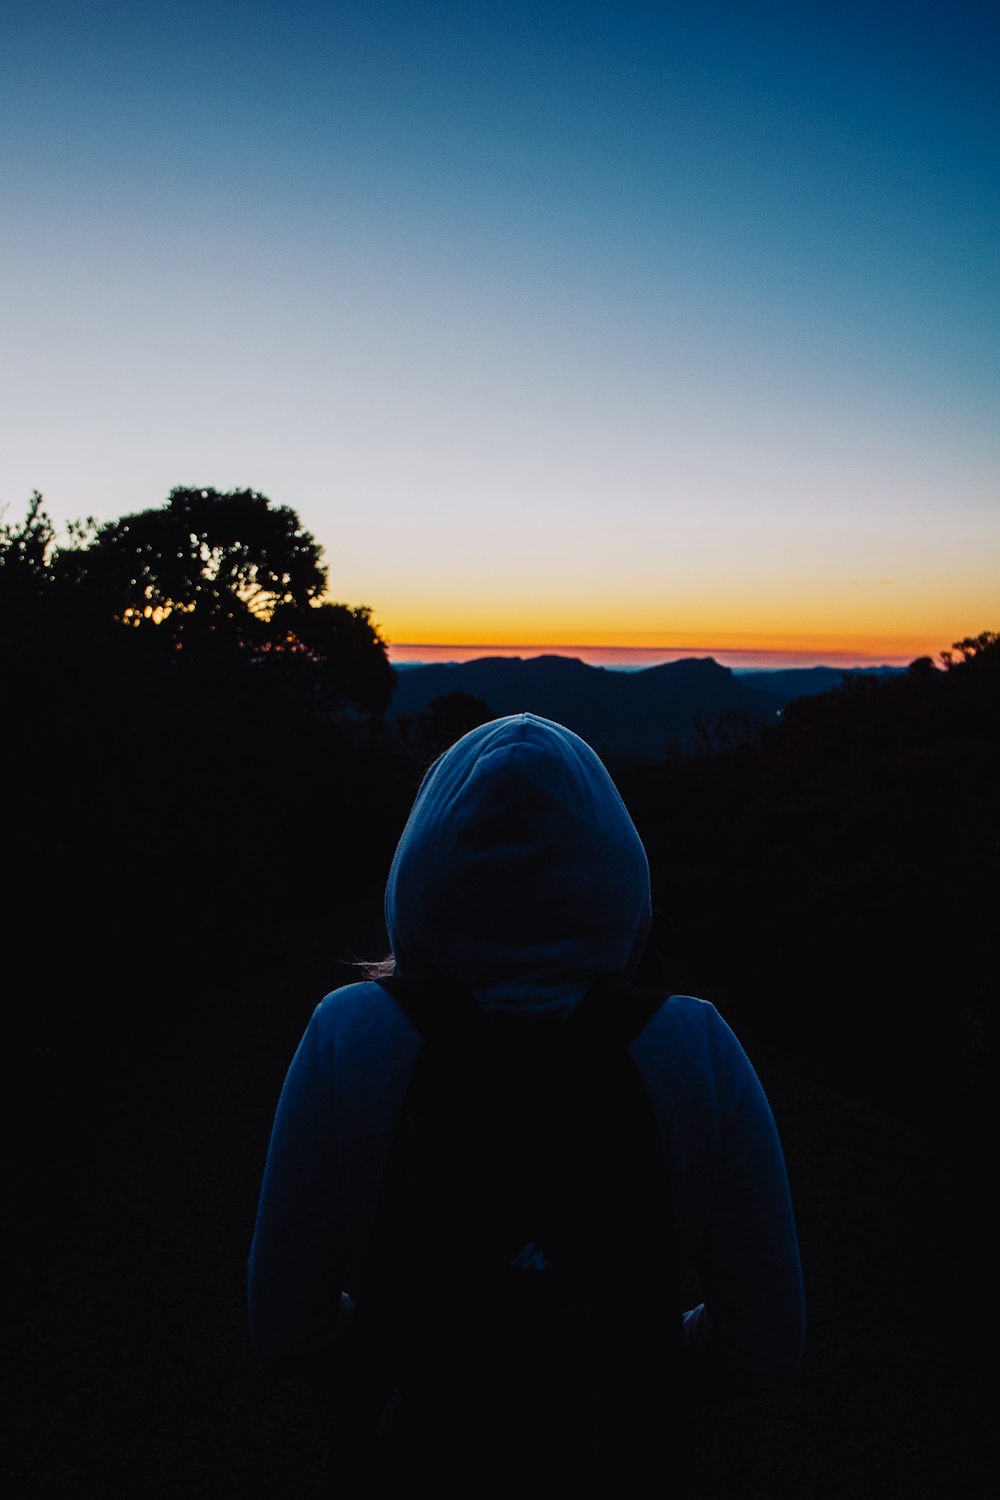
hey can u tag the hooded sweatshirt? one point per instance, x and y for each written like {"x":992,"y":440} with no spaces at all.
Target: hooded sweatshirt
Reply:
{"x":521,"y":876}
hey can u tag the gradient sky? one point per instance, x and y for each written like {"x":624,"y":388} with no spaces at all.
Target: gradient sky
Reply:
{"x":576,"y":323}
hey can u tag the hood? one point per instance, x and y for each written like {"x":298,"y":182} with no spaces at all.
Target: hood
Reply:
{"x":519,"y":873}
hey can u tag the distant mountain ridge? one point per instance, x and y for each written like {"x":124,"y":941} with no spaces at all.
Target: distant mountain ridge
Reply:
{"x":789,"y":683}
{"x":619,"y":713}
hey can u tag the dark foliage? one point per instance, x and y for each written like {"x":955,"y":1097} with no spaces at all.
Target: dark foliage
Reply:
{"x":335,"y":655}
{"x":207,"y":576}
{"x":26,"y":573}
{"x":429,"y":731}
{"x":195,"y":772}
{"x":838,"y":881}
{"x":205,"y":568}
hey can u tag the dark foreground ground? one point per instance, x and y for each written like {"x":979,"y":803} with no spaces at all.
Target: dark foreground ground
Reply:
{"x":132,"y":1372}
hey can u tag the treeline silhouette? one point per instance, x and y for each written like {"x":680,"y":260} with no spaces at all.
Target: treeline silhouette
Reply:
{"x":193,"y":778}
{"x":194,"y":748}
{"x":200,"y":783}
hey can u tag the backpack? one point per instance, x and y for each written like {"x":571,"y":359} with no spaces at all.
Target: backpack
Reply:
{"x":517,"y":1330}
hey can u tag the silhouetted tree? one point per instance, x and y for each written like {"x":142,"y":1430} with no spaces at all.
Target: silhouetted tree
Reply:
{"x":218,"y":581}
{"x":215,"y":576}
{"x":970,"y":647}
{"x":445,"y":719}
{"x":735,"y":730}
{"x":208,"y":566}
{"x":922,"y":667}
{"x":25,"y":552}
{"x":342,"y":652}
{"x":29,"y":544}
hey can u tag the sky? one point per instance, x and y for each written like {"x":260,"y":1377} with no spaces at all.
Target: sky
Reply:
{"x":634,"y":325}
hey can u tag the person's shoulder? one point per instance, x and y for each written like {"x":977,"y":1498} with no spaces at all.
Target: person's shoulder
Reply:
{"x":695,"y":1011}
{"x":349,"y":999}
{"x":687,"y":1017}
{"x":703,"y":1018}
{"x":691,"y":1035}
{"x":360,"y":1008}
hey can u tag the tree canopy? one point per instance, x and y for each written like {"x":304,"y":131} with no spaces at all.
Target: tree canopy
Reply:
{"x":25,"y":555}
{"x":209,"y":575}
{"x":206,"y":566}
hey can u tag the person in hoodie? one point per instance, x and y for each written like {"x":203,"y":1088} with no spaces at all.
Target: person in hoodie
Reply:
{"x":520,"y":876}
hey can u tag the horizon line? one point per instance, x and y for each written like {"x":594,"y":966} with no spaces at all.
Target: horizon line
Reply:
{"x":778,"y":655}
{"x":599,"y":646}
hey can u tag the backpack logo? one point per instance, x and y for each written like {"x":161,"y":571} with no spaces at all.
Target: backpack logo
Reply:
{"x":530,"y":1259}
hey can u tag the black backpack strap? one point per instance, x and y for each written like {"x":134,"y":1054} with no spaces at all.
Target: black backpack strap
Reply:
{"x":613,"y":1012}
{"x":437,"y":1007}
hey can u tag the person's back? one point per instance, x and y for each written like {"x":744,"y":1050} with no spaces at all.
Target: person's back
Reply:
{"x":520,"y":880}
{"x":526,"y":1175}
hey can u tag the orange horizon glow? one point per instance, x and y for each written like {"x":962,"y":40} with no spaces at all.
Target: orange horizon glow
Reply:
{"x":865,"y":644}
{"x":894,"y":627}
{"x":832,"y":614}
{"x":635,"y":647}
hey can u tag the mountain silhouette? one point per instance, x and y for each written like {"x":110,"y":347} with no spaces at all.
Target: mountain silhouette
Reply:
{"x":619,"y":713}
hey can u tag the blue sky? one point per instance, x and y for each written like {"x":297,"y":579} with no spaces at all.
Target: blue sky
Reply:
{"x":552,"y":321}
